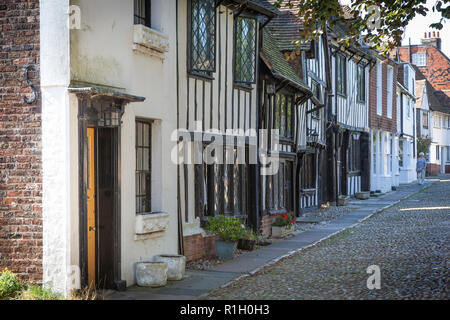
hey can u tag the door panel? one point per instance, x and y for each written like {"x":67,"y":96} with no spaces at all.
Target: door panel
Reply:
{"x":91,"y":207}
{"x":106,"y":207}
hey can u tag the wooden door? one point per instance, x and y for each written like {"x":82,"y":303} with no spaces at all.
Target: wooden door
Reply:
{"x":91,"y":221}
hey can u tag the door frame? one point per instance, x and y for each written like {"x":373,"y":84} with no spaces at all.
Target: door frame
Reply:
{"x":85,"y":121}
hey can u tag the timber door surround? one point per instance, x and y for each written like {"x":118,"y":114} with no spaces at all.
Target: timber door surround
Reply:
{"x":100,"y":111}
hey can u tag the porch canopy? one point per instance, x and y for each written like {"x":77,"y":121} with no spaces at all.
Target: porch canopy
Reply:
{"x":93,"y":91}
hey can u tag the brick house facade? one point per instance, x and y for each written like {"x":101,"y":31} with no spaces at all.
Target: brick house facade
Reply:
{"x":433,"y":67}
{"x":383,"y":125}
{"x":20,"y":141}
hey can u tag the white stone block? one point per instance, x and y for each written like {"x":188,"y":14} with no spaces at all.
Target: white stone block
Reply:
{"x":176,"y":265}
{"x":151,"y":274}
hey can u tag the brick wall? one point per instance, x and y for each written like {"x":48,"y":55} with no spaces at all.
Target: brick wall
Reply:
{"x":196,"y":246}
{"x":266,"y":225}
{"x":437,"y":70}
{"x":376,"y":121}
{"x":20,"y":141}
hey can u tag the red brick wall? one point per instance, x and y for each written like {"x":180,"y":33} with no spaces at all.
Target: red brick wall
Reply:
{"x":382,"y":122}
{"x":437,"y":70}
{"x":20,"y":142}
{"x":196,"y":247}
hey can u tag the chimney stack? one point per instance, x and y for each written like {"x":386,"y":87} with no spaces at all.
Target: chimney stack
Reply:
{"x":432,"y":39}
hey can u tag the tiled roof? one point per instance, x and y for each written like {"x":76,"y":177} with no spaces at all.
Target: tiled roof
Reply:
{"x":434,"y":101}
{"x":277,"y":63}
{"x":285,"y":28}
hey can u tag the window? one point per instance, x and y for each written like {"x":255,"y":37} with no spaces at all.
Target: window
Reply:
{"x":245,"y":50}
{"x":379,"y":88}
{"x":390,"y":77}
{"x":354,"y":161}
{"x":437,"y":121}
{"x":341,"y":78}
{"x":202,"y":45}
{"x":437,"y":153}
{"x":374,"y":153}
{"x":419,"y":59}
{"x":425,"y":120}
{"x":361,"y":83}
{"x":143,"y":166}
{"x":400,"y":153}
{"x":142,"y":12}
{"x":317,"y":92}
{"x":407,"y":106}
{"x":448,"y":154}
{"x":406,"y":76}
{"x":284,"y":115}
{"x":225,"y":185}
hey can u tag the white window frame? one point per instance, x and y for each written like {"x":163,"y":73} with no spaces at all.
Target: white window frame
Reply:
{"x":390,"y":79}
{"x":419,"y":59}
{"x":379,"y":88}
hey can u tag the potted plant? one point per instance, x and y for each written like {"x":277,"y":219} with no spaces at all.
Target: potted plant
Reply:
{"x":228,"y":231}
{"x":283,"y":225}
{"x":247,"y":240}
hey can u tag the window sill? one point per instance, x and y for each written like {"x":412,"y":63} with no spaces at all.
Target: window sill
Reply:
{"x":151,"y":225}
{"x":243,"y":86}
{"x":149,"y":42}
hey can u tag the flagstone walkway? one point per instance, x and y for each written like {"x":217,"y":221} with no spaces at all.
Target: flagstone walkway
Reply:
{"x":230,"y":280}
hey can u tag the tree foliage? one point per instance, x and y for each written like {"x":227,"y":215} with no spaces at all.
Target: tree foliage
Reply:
{"x":380,"y":23}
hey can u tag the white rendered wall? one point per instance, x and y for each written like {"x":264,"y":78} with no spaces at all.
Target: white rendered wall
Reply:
{"x":102,"y":53}
{"x":55,"y":78}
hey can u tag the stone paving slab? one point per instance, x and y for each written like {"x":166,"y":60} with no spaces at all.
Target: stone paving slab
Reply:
{"x":193,"y":285}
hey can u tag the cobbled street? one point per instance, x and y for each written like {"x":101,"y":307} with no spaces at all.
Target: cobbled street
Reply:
{"x":409,"y":242}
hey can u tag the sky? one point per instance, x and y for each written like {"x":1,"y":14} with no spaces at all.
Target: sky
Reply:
{"x":420,"y":24}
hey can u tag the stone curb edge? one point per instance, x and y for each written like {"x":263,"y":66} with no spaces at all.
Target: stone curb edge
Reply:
{"x":292,"y":252}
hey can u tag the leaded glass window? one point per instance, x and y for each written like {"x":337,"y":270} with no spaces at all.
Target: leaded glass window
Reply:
{"x":283,"y":115}
{"x":143,"y":166}
{"x":245,"y":50}
{"x":341,"y":74}
{"x":202,"y":35}
{"x":361,"y":83}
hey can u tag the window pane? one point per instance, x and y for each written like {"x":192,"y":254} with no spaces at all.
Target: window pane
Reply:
{"x":245,"y":50}
{"x":203,"y":29}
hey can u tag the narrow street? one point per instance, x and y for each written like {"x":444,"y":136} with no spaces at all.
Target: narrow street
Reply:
{"x":409,"y":242}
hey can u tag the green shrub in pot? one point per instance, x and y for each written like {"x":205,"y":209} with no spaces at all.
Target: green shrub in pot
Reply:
{"x":229,"y":231}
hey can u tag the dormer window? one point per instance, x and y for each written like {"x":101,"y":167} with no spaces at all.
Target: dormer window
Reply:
{"x":142,"y":12}
{"x":245,"y":50}
{"x":419,"y":59}
{"x":202,"y":40}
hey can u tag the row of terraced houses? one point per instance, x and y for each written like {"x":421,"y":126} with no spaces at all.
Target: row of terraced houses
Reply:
{"x":98,"y":99}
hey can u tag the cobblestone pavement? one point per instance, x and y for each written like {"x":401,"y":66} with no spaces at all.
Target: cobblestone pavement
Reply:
{"x":410,"y":243}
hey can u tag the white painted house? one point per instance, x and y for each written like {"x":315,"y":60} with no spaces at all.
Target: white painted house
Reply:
{"x":406,"y":126}
{"x":108,"y":113}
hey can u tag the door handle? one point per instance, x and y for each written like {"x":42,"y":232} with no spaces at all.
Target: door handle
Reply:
{"x":92,"y":229}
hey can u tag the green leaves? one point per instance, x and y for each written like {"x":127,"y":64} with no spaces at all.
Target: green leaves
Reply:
{"x":229,"y":229}
{"x":390,"y":18}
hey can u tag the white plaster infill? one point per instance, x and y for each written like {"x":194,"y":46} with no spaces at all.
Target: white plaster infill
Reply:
{"x":149,"y":41}
{"x":151,"y":225}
